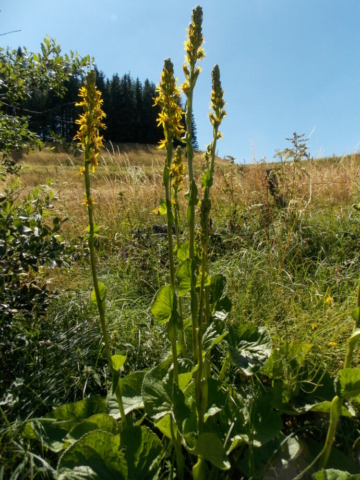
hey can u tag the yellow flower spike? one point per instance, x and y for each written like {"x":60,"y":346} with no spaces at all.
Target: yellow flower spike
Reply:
{"x":90,"y":123}
{"x":329,"y":300}
{"x":193,"y":43}
{"x":217,"y":101}
{"x":177,"y":170}
{"x":170,"y":117}
{"x":332,"y":344}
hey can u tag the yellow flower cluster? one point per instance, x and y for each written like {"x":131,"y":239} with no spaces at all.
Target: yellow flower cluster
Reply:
{"x":90,"y":122}
{"x":193,"y":48}
{"x":168,"y":98}
{"x":217,"y":99}
{"x":177,"y":170}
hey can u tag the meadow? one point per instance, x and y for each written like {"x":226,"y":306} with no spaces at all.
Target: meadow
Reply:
{"x":294,"y":270}
{"x":165,"y":313}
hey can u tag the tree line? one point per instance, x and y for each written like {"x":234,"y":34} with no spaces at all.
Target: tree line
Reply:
{"x":128,"y":104}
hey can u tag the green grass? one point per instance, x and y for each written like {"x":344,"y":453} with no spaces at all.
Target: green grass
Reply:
{"x":281,"y":269}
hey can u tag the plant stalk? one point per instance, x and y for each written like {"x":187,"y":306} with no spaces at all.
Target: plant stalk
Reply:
{"x":173,"y":332}
{"x":96,"y":286}
{"x":337,"y":403}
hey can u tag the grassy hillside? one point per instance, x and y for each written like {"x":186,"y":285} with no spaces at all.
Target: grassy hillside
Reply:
{"x":293,"y":269}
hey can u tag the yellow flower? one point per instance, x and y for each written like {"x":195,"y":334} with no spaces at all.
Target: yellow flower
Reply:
{"x":88,"y":202}
{"x":217,"y":100}
{"x":177,"y":170}
{"x":170,"y":116}
{"x":332,"y":344}
{"x":329,"y":300}
{"x":314,"y":326}
{"x":194,"y":41}
{"x":90,"y":121}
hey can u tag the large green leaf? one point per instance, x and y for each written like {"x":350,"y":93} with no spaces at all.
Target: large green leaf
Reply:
{"x":142,"y":447}
{"x":101,"y":452}
{"x":213,"y":335}
{"x":216,"y":399}
{"x":334,"y":475}
{"x":183,"y":276}
{"x":266,"y":423}
{"x":183,"y":252}
{"x":131,"y":395}
{"x":222,"y":308}
{"x":249,"y":347}
{"x":199,"y":279}
{"x":217,"y":287}
{"x":210,"y":447}
{"x":289,"y":355}
{"x":160,"y":394}
{"x":56,"y":424}
{"x":165,"y":425}
{"x":163,"y":305}
{"x":349,"y":383}
{"x":76,"y":473}
{"x":324,"y":407}
{"x":100,"y":421}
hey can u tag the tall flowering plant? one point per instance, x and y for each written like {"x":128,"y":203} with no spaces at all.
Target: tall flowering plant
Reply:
{"x":91,"y":142}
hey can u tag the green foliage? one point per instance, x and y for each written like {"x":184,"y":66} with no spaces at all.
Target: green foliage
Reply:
{"x":236,"y":397}
{"x":29,"y":240}
{"x":334,"y":475}
{"x":22,"y":75}
{"x":99,"y":451}
{"x":249,"y":347}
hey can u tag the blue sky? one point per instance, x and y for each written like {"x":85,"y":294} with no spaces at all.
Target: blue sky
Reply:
{"x":286,"y":65}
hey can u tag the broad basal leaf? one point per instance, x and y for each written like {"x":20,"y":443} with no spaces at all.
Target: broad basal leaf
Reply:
{"x":183,"y":275}
{"x":217,"y":287}
{"x":131,"y":395}
{"x":142,"y":448}
{"x":210,"y":447}
{"x":163,"y":305}
{"x":334,"y":475}
{"x":213,"y":335}
{"x":101,"y":452}
{"x":100,"y":421}
{"x":349,"y":383}
{"x":249,"y":347}
{"x":216,"y":399}
{"x":160,"y":394}
{"x":55,"y":425}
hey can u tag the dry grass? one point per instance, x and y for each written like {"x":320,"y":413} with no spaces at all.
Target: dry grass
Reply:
{"x":127,"y":185}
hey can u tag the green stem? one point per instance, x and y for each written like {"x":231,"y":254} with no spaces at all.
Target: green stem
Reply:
{"x":173,"y":330}
{"x":99,"y":302}
{"x":335,"y":412}
{"x":207,"y":196}
{"x":177,"y":229}
{"x":191,"y":211}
